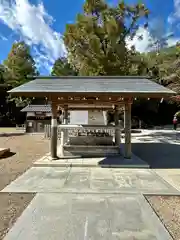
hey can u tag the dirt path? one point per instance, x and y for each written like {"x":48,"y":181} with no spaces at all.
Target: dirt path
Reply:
{"x":25,"y":149}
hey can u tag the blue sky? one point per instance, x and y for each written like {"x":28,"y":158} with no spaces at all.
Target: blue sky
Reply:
{"x":42,"y":23}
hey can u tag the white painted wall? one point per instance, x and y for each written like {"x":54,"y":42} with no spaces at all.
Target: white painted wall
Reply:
{"x":30,"y":114}
{"x":91,"y":117}
{"x":78,"y":117}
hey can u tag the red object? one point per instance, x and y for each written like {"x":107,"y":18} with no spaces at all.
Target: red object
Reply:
{"x":176,"y":98}
{"x":174,"y":121}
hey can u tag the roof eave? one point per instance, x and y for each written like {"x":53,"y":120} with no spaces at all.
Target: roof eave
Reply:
{"x":123,"y":94}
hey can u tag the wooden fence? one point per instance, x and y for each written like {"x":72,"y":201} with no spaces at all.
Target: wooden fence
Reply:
{"x":21,"y":127}
{"x":47,"y":131}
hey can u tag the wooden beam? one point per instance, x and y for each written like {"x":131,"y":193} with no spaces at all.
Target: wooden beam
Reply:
{"x":89,"y":108}
{"x":95,"y":103}
{"x":92,"y":94}
{"x":84,"y":126}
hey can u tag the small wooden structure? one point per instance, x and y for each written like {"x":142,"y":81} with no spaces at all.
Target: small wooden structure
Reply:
{"x":37,"y":116}
{"x":114,"y":92}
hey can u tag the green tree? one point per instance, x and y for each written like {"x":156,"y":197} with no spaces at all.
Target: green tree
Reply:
{"x":2,"y":74}
{"x":164,"y":67}
{"x":96,"y":42}
{"x":62,"y":68}
{"x":19,"y":64}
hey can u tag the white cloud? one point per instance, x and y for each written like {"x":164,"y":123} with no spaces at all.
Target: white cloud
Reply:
{"x":172,"y":41}
{"x":140,"y":45}
{"x":143,"y":45}
{"x":175,"y":16}
{"x":33,"y":24}
{"x":3,"y":38}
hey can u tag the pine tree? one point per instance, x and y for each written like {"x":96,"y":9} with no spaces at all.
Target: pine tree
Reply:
{"x":62,"y":68}
{"x":96,"y":42}
{"x":19,"y":64}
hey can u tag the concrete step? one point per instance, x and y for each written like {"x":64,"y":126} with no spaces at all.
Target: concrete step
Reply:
{"x":115,"y":161}
{"x":81,"y":150}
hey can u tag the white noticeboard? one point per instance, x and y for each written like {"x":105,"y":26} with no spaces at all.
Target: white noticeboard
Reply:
{"x":78,"y":117}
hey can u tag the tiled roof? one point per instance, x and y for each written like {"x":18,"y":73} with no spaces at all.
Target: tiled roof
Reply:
{"x":37,"y":108}
{"x":103,"y":84}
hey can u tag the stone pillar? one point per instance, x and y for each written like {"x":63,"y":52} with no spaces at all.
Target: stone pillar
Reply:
{"x":54,"y":132}
{"x":117,"y":130}
{"x":127,"y":120}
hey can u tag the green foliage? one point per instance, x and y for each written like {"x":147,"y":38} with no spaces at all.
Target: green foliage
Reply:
{"x":19,"y":64}
{"x":177,"y":114}
{"x":96,"y":41}
{"x":63,"y":68}
{"x":2,"y":73}
{"x":166,"y":65}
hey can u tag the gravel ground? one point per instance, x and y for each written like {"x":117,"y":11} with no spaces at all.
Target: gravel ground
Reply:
{"x":25,"y":149}
{"x":12,"y":205}
{"x":168,"y":210}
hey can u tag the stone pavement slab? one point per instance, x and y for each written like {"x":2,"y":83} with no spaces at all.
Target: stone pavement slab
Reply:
{"x":39,"y":180}
{"x":88,"y":216}
{"x":132,"y":180}
{"x":143,"y":180}
{"x":44,"y":179}
{"x":172,"y":176}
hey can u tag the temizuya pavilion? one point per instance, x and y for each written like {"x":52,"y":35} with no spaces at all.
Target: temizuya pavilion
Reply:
{"x":101,"y":90}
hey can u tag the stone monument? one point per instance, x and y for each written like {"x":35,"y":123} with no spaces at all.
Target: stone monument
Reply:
{"x":92,"y":136}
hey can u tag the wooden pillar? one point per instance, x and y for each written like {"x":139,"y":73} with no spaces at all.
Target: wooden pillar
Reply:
{"x":65,"y":122}
{"x":64,"y":132}
{"x":117,"y":130}
{"x":62,"y":137}
{"x":127,"y":120}
{"x":54,"y":131}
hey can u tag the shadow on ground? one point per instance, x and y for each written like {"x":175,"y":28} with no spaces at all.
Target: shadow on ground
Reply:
{"x":158,"y":149}
{"x":11,"y":134}
{"x":158,"y":155}
{"x":7,"y":155}
{"x":120,"y":162}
